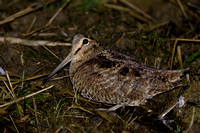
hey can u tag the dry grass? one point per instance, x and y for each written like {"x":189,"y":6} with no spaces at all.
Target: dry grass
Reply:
{"x":28,"y":105}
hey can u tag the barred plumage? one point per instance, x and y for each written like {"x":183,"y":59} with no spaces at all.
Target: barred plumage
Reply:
{"x":108,"y":77}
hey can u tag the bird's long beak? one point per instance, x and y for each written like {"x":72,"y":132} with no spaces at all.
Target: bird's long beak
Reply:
{"x":60,"y":66}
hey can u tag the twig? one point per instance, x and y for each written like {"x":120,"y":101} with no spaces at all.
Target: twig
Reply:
{"x":184,"y":13}
{"x":13,"y":74}
{"x":51,"y":52}
{"x":36,"y":116}
{"x":56,"y":14}
{"x":14,"y":123}
{"x":79,"y":107}
{"x":10,"y":90}
{"x":15,"y":81}
{"x":182,"y":9}
{"x":31,"y":25}
{"x":74,"y":116}
{"x":179,"y":56}
{"x":175,"y":44}
{"x":33,"y":7}
{"x":162,"y":115}
{"x":192,"y":121}
{"x":14,"y":40}
{"x":59,"y":129}
{"x":157,"y":62}
{"x":25,"y":97}
{"x":138,"y":10}
{"x":31,"y":78}
{"x":121,"y":8}
{"x":22,"y":59}
{"x":46,"y":34}
{"x":34,"y":31}
{"x":11,"y":3}
{"x":50,"y":21}
{"x":116,"y":7}
{"x":156,"y":26}
{"x":11,"y":87}
{"x":8,"y":94}
{"x":193,"y":5}
{"x":68,"y":129}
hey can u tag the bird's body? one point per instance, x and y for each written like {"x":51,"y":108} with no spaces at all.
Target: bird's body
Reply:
{"x":108,"y":77}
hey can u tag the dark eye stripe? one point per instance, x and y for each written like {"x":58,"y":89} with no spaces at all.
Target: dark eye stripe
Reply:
{"x":77,"y":50}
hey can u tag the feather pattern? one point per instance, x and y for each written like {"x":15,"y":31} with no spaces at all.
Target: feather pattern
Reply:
{"x":109,"y":77}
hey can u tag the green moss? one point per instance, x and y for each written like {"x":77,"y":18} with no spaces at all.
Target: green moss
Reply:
{"x":154,"y":46}
{"x":151,"y":40}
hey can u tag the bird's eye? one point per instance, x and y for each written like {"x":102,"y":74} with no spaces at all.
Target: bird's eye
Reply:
{"x":85,"y":41}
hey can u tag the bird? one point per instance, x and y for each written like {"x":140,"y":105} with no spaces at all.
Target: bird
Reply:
{"x":105,"y":76}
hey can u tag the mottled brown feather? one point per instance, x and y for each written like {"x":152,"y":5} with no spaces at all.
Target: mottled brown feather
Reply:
{"x":108,"y":77}
{"x":113,"y":78}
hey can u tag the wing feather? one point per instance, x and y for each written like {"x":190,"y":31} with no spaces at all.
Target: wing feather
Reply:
{"x":115,"y":78}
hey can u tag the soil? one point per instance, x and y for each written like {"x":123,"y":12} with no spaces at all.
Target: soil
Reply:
{"x":121,"y":30}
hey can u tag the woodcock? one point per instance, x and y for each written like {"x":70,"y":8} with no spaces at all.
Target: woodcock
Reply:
{"x":108,"y":77}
